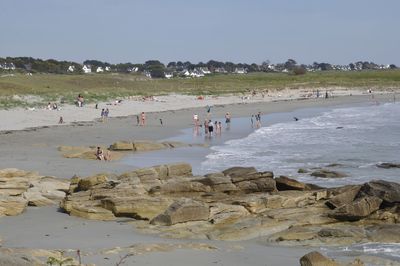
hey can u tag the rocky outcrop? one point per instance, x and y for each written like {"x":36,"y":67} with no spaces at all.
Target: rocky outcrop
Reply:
{"x":388,"y":165}
{"x":316,"y":259}
{"x":18,"y":189}
{"x":286,"y":183}
{"x":325,"y":173}
{"x":181,"y":211}
{"x":389,"y":192}
{"x":118,"y":149}
{"x":357,"y":209}
{"x":238,"y":203}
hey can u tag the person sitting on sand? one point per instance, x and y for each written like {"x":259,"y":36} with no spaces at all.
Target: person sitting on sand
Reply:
{"x":99,"y":154}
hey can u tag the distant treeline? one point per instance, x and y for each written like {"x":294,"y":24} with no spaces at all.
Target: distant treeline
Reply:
{"x":158,"y":69}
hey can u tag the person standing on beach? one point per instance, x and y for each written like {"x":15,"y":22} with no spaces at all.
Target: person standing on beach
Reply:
{"x":206,"y":127}
{"x":102,"y":115}
{"x":228,"y":120}
{"x":137,"y":120}
{"x":210,"y":128}
{"x":142,"y":119}
{"x":258,"y":120}
{"x":208,"y":108}
{"x":252,"y":121}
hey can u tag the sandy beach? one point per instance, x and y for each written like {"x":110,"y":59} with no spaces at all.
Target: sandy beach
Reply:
{"x":29,"y":141}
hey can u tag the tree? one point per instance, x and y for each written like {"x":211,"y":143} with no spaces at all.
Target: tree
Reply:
{"x":299,"y":70}
{"x":290,"y":64}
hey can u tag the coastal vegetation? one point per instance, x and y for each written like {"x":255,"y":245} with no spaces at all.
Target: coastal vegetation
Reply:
{"x":29,"y":90}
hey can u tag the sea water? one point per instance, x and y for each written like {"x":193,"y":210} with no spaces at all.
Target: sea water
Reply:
{"x":350,"y":140}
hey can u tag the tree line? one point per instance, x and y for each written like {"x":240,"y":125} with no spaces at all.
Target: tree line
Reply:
{"x":157,"y":68}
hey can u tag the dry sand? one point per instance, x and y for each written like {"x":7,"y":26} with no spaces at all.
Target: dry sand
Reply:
{"x":36,"y":149}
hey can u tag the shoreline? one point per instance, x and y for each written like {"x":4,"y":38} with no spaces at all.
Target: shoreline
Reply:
{"x":36,"y":150}
{"x":32,"y":118}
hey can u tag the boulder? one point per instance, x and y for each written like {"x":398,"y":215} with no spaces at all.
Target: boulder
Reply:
{"x":148,"y":146}
{"x":218,"y":183}
{"x":316,"y":259}
{"x":15,"y":260}
{"x":122,"y":146}
{"x":345,"y":197}
{"x":237,"y":172}
{"x":223,"y":213}
{"x":384,"y":233}
{"x":286,"y":183}
{"x":35,"y":198}
{"x":181,"y":211}
{"x":89,"y":211}
{"x":257,"y":185}
{"x":325,"y":173}
{"x":136,"y":207}
{"x":11,"y":206}
{"x":179,"y":169}
{"x":388,"y":165}
{"x":88,"y":182}
{"x":389,"y":192}
{"x":357,"y":210}
{"x":180,"y":186}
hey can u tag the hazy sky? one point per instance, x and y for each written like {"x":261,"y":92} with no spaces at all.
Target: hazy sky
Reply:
{"x":334,"y":31}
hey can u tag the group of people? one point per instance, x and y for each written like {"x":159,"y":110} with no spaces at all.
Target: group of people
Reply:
{"x":210,"y":128}
{"x":104,"y":114}
{"x":53,"y":106}
{"x":257,"y":118}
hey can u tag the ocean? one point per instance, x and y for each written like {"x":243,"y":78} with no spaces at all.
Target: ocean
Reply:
{"x":351,"y":140}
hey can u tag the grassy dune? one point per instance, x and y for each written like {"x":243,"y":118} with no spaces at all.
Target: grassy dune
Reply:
{"x":98,"y":87}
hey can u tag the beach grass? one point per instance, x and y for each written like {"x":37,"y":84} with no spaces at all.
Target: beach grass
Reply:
{"x":102,"y":87}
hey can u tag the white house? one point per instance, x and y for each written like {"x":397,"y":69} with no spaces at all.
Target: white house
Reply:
{"x":240,"y":70}
{"x":7,"y":66}
{"x":205,"y":70}
{"x":168,"y":75}
{"x":86,"y":69}
{"x":108,"y":68}
{"x":99,"y":70}
{"x":147,"y":73}
{"x":133,"y":69}
{"x":185,"y":73}
{"x":196,"y":74}
{"x":71,"y":69}
{"x":220,"y":70}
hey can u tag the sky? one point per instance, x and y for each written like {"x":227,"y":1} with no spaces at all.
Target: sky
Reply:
{"x":239,"y":31}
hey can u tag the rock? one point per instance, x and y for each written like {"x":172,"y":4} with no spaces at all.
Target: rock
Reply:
{"x":88,"y":211}
{"x":11,"y":206}
{"x":384,"y":233}
{"x":136,"y":207}
{"x":180,"y":186}
{"x":36,"y":199}
{"x":238,"y":172}
{"x":345,"y":197}
{"x":122,"y":146}
{"x":388,"y":165}
{"x":389,"y":192}
{"x":148,"y":146}
{"x":316,"y":259}
{"x":223,"y":213}
{"x":88,"y":182}
{"x":181,"y":211}
{"x":302,"y":171}
{"x":179,"y":169}
{"x":218,"y":183}
{"x":14,"y":260}
{"x":286,"y":183}
{"x":357,"y":210}
{"x":325,"y":173}
{"x":257,"y":185}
